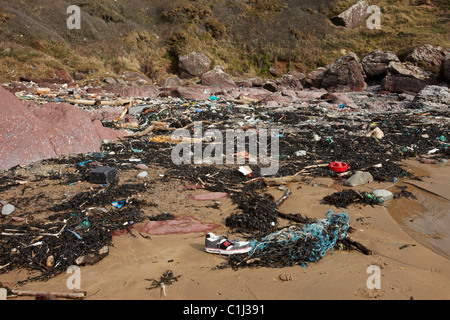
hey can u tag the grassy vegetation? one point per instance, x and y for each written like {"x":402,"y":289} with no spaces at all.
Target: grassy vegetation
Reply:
{"x":244,"y":37}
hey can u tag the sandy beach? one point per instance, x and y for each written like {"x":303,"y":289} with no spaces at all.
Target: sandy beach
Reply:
{"x":409,"y":240}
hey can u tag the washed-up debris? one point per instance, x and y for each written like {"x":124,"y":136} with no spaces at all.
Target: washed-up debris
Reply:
{"x":166,"y":279}
{"x":173,"y":225}
{"x":43,"y":295}
{"x":313,"y":134}
{"x":209,"y":196}
{"x":358,"y":179}
{"x":74,"y":230}
{"x":383,"y":195}
{"x":7,"y":209}
{"x":295,"y":245}
{"x":102,"y":175}
{"x":345,"y":198}
{"x":403,"y":193}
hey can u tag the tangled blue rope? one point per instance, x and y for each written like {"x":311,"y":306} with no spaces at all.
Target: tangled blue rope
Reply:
{"x":307,"y":244}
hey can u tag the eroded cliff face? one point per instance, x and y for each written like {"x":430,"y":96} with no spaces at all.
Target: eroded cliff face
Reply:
{"x":255,"y":37}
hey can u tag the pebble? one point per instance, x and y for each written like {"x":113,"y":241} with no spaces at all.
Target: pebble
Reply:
{"x":8,"y":209}
{"x":143,"y":174}
{"x":384,"y":195}
{"x":141,"y":166}
{"x":300,"y":153}
{"x":358,"y":179}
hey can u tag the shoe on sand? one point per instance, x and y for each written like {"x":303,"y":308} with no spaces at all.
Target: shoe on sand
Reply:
{"x":222,"y":245}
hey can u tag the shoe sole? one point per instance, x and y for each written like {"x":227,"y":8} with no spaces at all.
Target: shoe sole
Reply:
{"x":228,"y":252}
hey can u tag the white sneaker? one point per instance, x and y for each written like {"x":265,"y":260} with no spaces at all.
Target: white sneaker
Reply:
{"x":222,"y":245}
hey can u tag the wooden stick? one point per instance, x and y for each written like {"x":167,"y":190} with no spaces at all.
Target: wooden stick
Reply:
{"x":124,"y":111}
{"x":79,"y":295}
{"x":359,"y":246}
{"x":288,"y":179}
{"x":284,"y":197}
{"x":119,"y":102}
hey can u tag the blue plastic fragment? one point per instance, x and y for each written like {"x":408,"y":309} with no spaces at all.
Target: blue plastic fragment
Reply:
{"x":118,"y":204}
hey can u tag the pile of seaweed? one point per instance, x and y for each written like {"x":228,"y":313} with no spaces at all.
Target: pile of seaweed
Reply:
{"x":295,"y":245}
{"x":82,"y":224}
{"x":344,"y":198}
{"x":50,"y":247}
{"x":79,"y":226}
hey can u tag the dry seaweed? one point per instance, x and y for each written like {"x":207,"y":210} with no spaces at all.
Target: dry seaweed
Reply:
{"x":345,"y":198}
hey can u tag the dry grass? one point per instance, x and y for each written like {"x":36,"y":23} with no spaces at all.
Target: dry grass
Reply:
{"x":245,"y":37}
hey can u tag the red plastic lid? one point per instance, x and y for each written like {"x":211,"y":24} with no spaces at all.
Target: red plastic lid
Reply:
{"x":338,"y":166}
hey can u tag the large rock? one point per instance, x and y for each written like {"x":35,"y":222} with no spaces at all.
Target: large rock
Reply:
{"x":193,"y":92}
{"x":353,"y":16}
{"x":405,"y":77}
{"x":445,"y":68}
{"x":193,"y":64}
{"x":346,"y":74}
{"x":428,"y":56}
{"x":22,"y":135}
{"x":314,"y":78}
{"x":433,"y":96}
{"x":29,"y":134}
{"x":69,"y":129}
{"x":145,"y":91}
{"x":218,"y":77}
{"x":288,"y":81}
{"x":60,"y":76}
{"x":376,"y":63}
{"x":171,"y":81}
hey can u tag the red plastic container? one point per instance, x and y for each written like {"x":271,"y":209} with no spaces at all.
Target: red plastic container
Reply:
{"x":338,"y":167}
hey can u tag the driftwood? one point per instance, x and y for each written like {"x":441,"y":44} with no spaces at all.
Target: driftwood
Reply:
{"x":154,"y":125}
{"x":118,"y":102}
{"x":124,"y":111}
{"x":160,"y":126}
{"x":291,"y":217}
{"x":276,"y":181}
{"x":358,"y":246}
{"x":79,"y":295}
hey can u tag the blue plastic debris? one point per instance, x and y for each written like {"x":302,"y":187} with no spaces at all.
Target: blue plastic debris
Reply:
{"x":118,"y":204}
{"x":83,"y":163}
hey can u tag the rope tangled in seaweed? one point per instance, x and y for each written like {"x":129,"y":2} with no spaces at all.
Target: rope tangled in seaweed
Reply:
{"x":294,"y":245}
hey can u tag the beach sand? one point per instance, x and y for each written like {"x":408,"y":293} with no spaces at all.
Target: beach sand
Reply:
{"x":410,"y":240}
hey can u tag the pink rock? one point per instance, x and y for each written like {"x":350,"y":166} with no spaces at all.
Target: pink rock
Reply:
{"x":104,"y":113}
{"x":29,"y":134}
{"x":146,"y":91}
{"x":209,"y":196}
{"x":108,"y":133}
{"x":23,"y":136}
{"x":141,"y":167}
{"x":190,"y":92}
{"x":193,"y":64}
{"x":218,"y":77}
{"x":311,"y":94}
{"x":346,"y":74}
{"x":178,"y":225}
{"x":69,"y":129}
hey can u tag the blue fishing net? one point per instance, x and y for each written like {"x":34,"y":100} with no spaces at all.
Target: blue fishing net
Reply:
{"x":298,"y":245}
